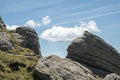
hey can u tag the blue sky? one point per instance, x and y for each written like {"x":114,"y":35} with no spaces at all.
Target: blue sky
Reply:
{"x":58,"y":22}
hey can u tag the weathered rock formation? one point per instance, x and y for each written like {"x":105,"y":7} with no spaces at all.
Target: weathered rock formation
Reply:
{"x":94,"y":53}
{"x":6,"y":42}
{"x":28,"y":38}
{"x":90,"y":57}
{"x":56,"y":68}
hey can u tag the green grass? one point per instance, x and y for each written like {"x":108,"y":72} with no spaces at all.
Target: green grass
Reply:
{"x":24,"y":73}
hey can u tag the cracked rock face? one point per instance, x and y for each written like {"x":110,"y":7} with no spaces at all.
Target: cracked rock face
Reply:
{"x":95,"y":53}
{"x":56,"y":68}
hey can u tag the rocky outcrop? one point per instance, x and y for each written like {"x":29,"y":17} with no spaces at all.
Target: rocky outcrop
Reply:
{"x":56,"y":68}
{"x":94,"y":53}
{"x":89,"y":58}
{"x":2,"y":25}
{"x":112,"y":76}
{"x":18,"y":49}
{"x":6,"y":42}
{"x":29,"y":39}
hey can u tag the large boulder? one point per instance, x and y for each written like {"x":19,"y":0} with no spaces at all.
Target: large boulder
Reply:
{"x":6,"y":42}
{"x":56,"y":68}
{"x":31,"y":38}
{"x":95,"y":53}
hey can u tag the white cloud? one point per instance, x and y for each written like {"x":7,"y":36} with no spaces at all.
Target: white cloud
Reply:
{"x":46,"y":20}
{"x":12,"y":27}
{"x":32,"y":23}
{"x":91,"y":26}
{"x":59,"y":33}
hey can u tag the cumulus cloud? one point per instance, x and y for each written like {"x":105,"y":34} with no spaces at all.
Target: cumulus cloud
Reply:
{"x":32,"y":23}
{"x":12,"y":27}
{"x":59,"y":33}
{"x":46,"y":20}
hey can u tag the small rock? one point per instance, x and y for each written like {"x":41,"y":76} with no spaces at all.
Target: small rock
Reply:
{"x":112,"y":76}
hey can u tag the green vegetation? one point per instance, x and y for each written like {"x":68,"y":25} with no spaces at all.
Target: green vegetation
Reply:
{"x":21,"y":67}
{"x":17,"y":64}
{"x":21,"y":51}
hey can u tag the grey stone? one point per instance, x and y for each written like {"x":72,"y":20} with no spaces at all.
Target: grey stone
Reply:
{"x":20,"y":39}
{"x":95,"y":53}
{"x":112,"y":76}
{"x":2,"y":25}
{"x":56,"y":68}
{"x":6,"y":42}
{"x":31,"y":38}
